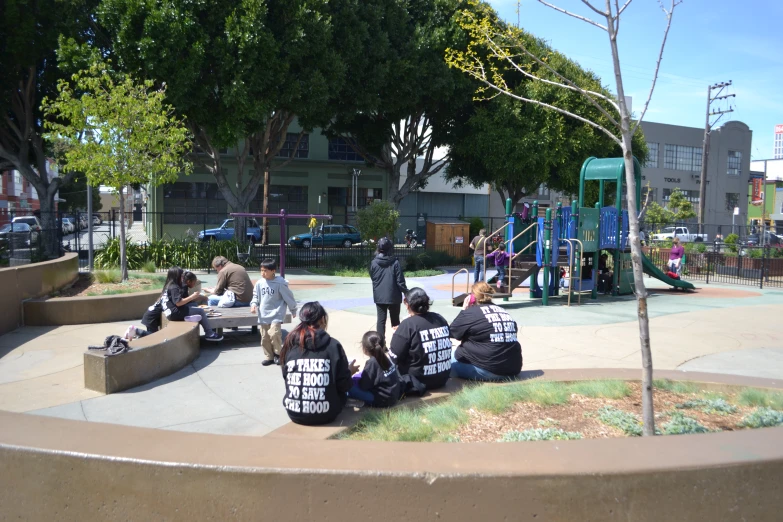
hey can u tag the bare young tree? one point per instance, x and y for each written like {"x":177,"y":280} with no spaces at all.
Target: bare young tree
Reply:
{"x":506,"y":45}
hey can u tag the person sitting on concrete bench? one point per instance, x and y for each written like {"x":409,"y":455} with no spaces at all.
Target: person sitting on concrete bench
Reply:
{"x":174,"y":303}
{"x":231,"y":278}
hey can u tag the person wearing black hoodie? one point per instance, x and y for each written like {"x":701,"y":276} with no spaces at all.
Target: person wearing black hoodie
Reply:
{"x":421,"y":346}
{"x":388,"y":286}
{"x":315,"y":370}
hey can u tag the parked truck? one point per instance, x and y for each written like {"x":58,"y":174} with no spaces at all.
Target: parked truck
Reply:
{"x":682,"y":233}
{"x":226,"y":231}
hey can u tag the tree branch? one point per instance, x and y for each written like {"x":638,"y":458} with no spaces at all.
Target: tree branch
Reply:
{"x":595,"y":9}
{"x":620,"y":11}
{"x":578,"y":17}
{"x":657,"y":63}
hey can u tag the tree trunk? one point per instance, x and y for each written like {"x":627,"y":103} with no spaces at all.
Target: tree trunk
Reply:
{"x":123,"y":253}
{"x":49,"y":239}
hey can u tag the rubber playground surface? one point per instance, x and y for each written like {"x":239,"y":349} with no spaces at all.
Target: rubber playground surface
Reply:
{"x":718,"y":328}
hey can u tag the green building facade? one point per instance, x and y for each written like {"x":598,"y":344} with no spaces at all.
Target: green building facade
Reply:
{"x":769,"y":207}
{"x":318,"y":180}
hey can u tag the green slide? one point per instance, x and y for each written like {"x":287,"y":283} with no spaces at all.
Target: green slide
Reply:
{"x":652,"y":270}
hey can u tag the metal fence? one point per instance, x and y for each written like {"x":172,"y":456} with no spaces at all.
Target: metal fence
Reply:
{"x":740,"y":265}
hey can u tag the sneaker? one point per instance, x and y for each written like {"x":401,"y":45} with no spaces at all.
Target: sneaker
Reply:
{"x":268,"y":362}
{"x":130,"y":333}
{"x":193,"y":318}
{"x":214,"y":337}
{"x":276,"y":360}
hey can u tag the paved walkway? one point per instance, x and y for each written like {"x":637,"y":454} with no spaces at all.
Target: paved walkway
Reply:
{"x":227,"y":390}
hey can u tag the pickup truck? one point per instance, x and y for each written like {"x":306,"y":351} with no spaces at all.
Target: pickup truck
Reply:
{"x":681,"y":232}
{"x":226,"y":231}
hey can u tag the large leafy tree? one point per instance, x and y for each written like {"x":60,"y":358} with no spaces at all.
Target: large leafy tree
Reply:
{"x":30,"y":71}
{"x":240,"y":72}
{"x":118,"y":132}
{"x":403,"y":102}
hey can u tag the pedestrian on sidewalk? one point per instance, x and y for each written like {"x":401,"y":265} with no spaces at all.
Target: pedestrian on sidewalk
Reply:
{"x":388,"y":287}
{"x":477,"y":245}
{"x":271,"y":295}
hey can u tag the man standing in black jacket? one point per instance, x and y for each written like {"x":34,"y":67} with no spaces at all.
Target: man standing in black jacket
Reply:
{"x":388,"y":286}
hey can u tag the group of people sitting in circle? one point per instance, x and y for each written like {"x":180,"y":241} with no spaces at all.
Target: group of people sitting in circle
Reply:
{"x":319,"y":378}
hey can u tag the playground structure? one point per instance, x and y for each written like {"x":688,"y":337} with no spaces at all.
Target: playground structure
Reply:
{"x":282,"y":216}
{"x":572,"y":237}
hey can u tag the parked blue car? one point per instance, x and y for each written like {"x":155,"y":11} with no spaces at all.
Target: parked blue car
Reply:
{"x":328,"y":235}
{"x":226,"y":231}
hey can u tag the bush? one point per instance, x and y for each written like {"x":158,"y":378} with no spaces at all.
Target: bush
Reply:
{"x":709,"y":406}
{"x":107,"y":276}
{"x":109,"y":255}
{"x":763,"y":418}
{"x":432,"y":259}
{"x":476,"y":224}
{"x":149,"y":267}
{"x":378,"y":219}
{"x":731,"y":241}
{"x":622,"y":420}
{"x":681,"y":425}
{"x":540,"y":434}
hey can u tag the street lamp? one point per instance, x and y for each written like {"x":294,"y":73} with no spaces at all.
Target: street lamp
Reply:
{"x":355,"y":188}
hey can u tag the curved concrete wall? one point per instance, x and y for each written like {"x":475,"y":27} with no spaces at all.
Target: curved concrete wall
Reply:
{"x":152,"y":357}
{"x":33,"y":280}
{"x":58,"y":311}
{"x":69,"y":470}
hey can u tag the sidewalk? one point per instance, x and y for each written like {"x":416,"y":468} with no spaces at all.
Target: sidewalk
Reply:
{"x":227,"y":390}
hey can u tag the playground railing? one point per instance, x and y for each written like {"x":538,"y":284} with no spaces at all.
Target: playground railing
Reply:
{"x":467,"y":282}
{"x":486,"y":239}
{"x":572,"y":256}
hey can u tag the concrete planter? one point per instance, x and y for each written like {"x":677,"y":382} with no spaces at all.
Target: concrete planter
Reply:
{"x":57,"y":311}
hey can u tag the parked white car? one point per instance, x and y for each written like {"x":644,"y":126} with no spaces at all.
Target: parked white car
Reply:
{"x":682,"y":233}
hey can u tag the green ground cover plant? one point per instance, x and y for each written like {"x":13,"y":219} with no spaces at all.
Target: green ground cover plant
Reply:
{"x":710,"y":406}
{"x":628,"y":423}
{"x":763,"y":418}
{"x":540,"y":434}
{"x":679,"y":424}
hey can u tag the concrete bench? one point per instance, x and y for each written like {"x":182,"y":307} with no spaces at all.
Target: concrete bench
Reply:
{"x":152,"y":357}
{"x":235,"y":317}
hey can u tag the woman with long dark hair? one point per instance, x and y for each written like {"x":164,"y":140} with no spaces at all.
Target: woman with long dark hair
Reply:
{"x":421,"y":346}
{"x":315,"y":370}
{"x":388,"y":287}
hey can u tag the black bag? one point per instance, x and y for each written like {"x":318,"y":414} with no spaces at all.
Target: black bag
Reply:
{"x":113,"y":344}
{"x":411,"y":386}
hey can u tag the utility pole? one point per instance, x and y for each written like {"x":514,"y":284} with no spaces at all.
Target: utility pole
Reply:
{"x":705,"y":151}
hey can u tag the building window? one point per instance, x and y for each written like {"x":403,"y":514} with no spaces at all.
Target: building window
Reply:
{"x":367,"y":196}
{"x":732,"y":201}
{"x":681,"y":157}
{"x":292,"y":198}
{"x":734,"y":163}
{"x":188,"y":203}
{"x":689,"y":195}
{"x":302,"y":151}
{"x":652,"y":157}
{"x":340,"y":149}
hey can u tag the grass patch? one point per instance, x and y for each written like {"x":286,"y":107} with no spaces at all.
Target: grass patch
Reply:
{"x":107,"y":276}
{"x":609,"y":389}
{"x":342,"y":271}
{"x":627,"y":422}
{"x":679,"y":424}
{"x":540,"y":434}
{"x":156,"y":278}
{"x":676,"y":386}
{"x":149,"y":267}
{"x":716,"y":406}
{"x":763,"y":418}
{"x":116,"y":291}
{"x":761,"y":398}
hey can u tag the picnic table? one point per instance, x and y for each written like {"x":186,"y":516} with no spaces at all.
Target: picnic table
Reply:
{"x":235,"y":317}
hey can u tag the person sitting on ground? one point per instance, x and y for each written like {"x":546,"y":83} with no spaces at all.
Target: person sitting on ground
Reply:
{"x":605,"y":275}
{"x":502,"y":259}
{"x":175,"y":304}
{"x":421,"y":346}
{"x":378,"y":384}
{"x":270,"y":297}
{"x":388,"y":286}
{"x":675,"y":256}
{"x":315,"y":370}
{"x":232,"y":278}
{"x":489,"y":349}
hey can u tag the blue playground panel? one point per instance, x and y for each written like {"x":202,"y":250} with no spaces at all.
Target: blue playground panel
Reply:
{"x":608,"y":229}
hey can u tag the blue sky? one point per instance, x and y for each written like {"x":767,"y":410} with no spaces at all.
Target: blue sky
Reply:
{"x":710,"y":41}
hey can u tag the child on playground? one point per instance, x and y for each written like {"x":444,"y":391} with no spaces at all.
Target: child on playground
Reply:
{"x":502,"y":260}
{"x":378,"y":384}
{"x":270,"y":297}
